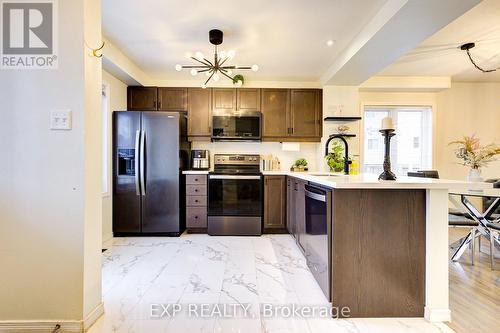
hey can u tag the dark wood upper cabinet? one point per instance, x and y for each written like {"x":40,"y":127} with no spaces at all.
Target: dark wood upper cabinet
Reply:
{"x":287,"y":114}
{"x":305,"y":113}
{"x":248,"y":99}
{"x":275,"y":107}
{"x":142,"y":98}
{"x":199,"y":113}
{"x":275,"y":202}
{"x":224,"y":99}
{"x":172,"y":99}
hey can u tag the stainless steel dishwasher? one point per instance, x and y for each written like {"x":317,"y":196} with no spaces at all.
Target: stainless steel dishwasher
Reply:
{"x":317,"y":235}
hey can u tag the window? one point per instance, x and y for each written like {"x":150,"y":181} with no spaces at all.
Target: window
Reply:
{"x":411,"y":148}
{"x":104,"y":140}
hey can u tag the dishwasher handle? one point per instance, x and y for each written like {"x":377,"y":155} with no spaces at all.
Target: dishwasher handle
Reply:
{"x":316,"y":192}
{"x":315,"y":196}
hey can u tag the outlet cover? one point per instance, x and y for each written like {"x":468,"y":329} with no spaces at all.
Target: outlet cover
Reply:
{"x":60,"y":120}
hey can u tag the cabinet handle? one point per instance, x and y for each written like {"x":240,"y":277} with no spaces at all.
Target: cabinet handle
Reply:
{"x":196,"y":200}
{"x":196,"y":179}
{"x":159,"y":104}
{"x":196,"y":190}
{"x":154,"y":104}
{"x":196,"y":217}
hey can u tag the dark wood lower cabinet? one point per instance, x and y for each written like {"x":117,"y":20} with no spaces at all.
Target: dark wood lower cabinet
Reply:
{"x":275,"y":203}
{"x":290,"y":221}
{"x":196,"y":203}
{"x":378,"y":252}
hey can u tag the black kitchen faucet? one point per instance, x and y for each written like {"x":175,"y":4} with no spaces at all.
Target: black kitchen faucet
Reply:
{"x":346,"y":150}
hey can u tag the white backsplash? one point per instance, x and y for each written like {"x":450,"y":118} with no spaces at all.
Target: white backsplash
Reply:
{"x":309,"y":151}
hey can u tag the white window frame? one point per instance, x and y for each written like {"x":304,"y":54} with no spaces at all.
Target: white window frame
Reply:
{"x":392,"y":102}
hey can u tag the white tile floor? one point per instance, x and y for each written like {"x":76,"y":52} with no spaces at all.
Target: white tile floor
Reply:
{"x":237,"y":271}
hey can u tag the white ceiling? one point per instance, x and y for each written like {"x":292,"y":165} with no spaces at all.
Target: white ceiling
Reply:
{"x":286,"y":38}
{"x":439,"y":55}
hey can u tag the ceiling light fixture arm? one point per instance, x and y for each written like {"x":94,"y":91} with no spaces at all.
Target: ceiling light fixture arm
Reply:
{"x":466,"y":47}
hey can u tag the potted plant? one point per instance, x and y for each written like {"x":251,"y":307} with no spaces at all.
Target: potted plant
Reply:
{"x":300,"y":165}
{"x":335,"y":158}
{"x":475,"y":156}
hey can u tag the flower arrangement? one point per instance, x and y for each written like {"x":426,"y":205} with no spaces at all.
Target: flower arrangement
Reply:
{"x":472,"y":154}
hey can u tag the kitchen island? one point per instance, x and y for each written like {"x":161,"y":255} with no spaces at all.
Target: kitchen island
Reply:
{"x":387,"y":241}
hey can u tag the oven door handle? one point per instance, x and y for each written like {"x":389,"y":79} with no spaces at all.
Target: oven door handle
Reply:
{"x":232,"y":177}
{"x":315,"y":196}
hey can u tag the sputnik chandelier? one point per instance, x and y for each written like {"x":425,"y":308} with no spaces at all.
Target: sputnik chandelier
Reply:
{"x":214,"y":70}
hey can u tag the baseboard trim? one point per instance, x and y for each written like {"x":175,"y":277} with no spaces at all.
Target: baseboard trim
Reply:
{"x":38,"y":326}
{"x":107,"y":241}
{"x":437,"y":315}
{"x":93,"y":316}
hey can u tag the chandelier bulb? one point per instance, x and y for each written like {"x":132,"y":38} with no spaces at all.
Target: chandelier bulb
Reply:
{"x":255,"y":68}
{"x":199,"y":55}
{"x":188,"y":55}
{"x":204,"y":86}
{"x":231,"y":54}
{"x":178,"y":67}
{"x":194,"y":72}
{"x":222,"y":54}
{"x":239,"y":83}
{"x":216,"y":77}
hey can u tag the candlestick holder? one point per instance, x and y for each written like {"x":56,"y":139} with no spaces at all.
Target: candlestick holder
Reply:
{"x":387,"y":174}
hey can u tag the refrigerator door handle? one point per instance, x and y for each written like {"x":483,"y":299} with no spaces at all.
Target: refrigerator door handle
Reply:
{"x":136,"y":162}
{"x":143,"y":166}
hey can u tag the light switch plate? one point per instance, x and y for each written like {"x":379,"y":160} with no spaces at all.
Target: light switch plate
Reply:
{"x":60,"y":120}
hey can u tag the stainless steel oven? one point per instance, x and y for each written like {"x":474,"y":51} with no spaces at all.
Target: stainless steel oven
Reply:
{"x":235,"y":196}
{"x":316,"y":240}
{"x":237,"y":126}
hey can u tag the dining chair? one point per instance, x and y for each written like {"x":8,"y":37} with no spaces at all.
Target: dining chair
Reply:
{"x":456,"y":217}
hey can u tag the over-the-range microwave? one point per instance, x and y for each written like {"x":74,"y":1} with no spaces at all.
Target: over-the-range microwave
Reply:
{"x":236,"y":126}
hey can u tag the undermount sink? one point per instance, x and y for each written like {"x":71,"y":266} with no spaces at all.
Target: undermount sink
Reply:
{"x":326,"y":174}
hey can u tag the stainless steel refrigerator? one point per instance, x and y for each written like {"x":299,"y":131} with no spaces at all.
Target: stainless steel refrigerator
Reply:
{"x":150,"y":150}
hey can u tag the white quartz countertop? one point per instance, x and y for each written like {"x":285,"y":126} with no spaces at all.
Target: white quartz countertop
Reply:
{"x":196,"y":172}
{"x":370,"y":181}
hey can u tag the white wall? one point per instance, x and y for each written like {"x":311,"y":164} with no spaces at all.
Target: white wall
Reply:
{"x":117,"y":100}
{"x":340,"y":101}
{"x":49,"y":203}
{"x":465,"y":109}
{"x":286,"y":158}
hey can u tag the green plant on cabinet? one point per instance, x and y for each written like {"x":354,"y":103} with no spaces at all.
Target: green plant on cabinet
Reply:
{"x":300,"y":165}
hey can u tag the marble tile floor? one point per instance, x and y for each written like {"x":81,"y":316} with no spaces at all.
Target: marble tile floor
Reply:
{"x":243,"y":273}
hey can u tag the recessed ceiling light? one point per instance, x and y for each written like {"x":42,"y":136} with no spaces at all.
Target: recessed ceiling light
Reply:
{"x":330,"y":42}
